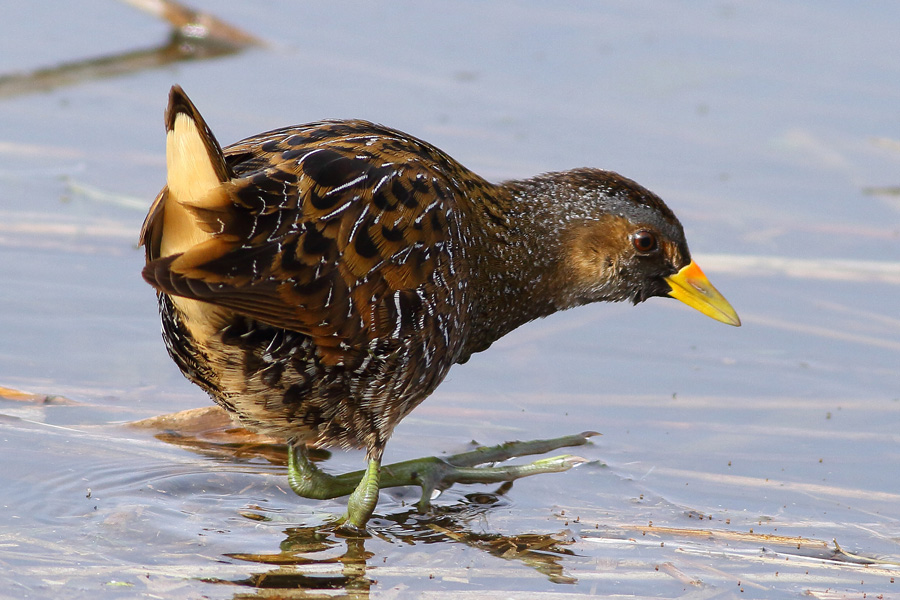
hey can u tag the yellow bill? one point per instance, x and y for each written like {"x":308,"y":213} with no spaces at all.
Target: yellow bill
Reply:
{"x":692,"y":287}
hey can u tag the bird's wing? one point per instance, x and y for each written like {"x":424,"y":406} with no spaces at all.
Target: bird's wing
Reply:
{"x":337,"y":230}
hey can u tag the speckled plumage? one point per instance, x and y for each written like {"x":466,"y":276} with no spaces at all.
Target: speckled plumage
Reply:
{"x":325,"y":278}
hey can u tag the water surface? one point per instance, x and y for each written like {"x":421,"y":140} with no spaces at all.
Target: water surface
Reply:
{"x":731,"y":459}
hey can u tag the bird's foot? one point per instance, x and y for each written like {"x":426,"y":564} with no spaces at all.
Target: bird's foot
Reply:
{"x":430,"y":473}
{"x":434,"y":474}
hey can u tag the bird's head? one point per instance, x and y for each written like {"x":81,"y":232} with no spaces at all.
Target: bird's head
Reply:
{"x":624,"y":243}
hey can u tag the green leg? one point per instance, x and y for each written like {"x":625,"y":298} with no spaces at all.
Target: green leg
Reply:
{"x":431,"y":473}
{"x":307,"y":480}
{"x":361,"y":503}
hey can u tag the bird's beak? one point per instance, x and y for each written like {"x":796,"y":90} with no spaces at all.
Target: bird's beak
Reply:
{"x":692,"y":287}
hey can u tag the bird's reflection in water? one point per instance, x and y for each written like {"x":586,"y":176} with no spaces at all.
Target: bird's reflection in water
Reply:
{"x":316,"y":560}
{"x":309,"y":564}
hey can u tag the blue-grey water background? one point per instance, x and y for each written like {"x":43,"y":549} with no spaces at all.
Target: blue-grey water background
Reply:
{"x":771,"y":128}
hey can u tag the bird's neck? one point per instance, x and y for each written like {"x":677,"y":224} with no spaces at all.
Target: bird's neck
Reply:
{"x":518,"y":262}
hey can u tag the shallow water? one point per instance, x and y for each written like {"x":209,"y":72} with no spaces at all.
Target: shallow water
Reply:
{"x":769,"y":128}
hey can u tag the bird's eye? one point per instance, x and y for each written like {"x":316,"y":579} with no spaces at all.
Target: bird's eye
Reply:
{"x":644,"y":241}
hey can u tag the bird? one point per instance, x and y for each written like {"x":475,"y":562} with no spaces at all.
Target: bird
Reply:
{"x":319,"y":281}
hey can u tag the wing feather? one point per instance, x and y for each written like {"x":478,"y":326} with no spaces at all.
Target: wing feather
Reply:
{"x":333,"y":229}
